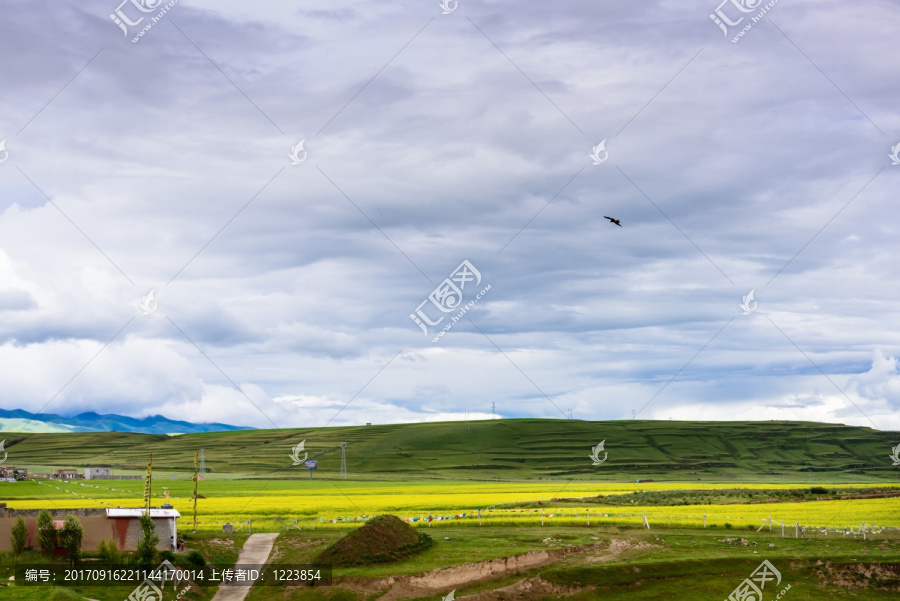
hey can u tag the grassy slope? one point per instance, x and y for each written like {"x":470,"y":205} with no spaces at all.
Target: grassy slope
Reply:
{"x":509,"y":449}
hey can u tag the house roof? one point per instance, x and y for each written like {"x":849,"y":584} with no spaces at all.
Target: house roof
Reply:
{"x":138,"y":512}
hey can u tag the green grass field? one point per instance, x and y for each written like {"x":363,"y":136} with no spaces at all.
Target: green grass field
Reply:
{"x":525,"y":449}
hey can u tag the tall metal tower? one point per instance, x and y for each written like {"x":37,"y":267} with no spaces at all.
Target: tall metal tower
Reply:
{"x":343,"y":460}
{"x":202,"y":464}
{"x":493,"y":408}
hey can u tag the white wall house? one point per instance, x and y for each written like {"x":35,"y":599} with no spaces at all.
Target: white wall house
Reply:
{"x":96,"y":472}
{"x":127,"y":527}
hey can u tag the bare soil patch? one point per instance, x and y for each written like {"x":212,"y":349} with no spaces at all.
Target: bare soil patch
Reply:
{"x":443,"y":580}
{"x":856,"y":576}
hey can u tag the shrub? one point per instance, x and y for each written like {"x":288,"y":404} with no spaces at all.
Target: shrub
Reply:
{"x":818,"y":490}
{"x":109,"y":552}
{"x":167,"y":555}
{"x":19,"y":536}
{"x":195,"y":557}
{"x":146,"y":547}
{"x":46,"y":532}
{"x":728,"y":526}
{"x":70,"y":538}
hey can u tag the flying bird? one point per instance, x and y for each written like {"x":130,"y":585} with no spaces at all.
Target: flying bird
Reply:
{"x":616,"y":221}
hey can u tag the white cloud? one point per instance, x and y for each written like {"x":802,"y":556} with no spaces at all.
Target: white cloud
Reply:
{"x":151,"y":151}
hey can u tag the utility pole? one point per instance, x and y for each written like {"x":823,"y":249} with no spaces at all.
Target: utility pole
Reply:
{"x":493,"y":408}
{"x":343,"y":460}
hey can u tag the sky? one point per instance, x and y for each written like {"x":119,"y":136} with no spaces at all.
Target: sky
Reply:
{"x":242,"y":212}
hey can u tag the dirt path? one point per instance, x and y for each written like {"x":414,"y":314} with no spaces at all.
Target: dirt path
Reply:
{"x":443,"y":580}
{"x":255,"y":551}
{"x":527,"y":589}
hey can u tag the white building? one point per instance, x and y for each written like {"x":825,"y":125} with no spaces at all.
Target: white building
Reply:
{"x":96,"y":473}
{"x":127,"y":528}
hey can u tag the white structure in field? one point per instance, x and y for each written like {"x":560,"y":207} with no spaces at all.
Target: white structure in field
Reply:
{"x":95,"y":473}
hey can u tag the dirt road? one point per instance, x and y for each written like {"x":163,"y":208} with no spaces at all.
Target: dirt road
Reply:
{"x":255,"y":551}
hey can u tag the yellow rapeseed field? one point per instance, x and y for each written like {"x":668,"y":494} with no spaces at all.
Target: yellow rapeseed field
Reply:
{"x":326,"y":504}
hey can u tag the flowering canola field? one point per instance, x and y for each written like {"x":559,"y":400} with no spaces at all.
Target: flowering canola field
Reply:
{"x":276,"y":505}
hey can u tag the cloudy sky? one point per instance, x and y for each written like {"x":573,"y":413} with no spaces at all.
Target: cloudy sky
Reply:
{"x":160,"y":156}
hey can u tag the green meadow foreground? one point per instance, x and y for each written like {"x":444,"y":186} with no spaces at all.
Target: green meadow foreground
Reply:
{"x":515,"y":509}
{"x":596,"y":562}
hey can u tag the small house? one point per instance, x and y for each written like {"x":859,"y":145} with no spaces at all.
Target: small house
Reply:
{"x":127,"y":527}
{"x":96,"y":473}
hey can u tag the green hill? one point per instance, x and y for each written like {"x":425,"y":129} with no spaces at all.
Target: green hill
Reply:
{"x":513,"y":449}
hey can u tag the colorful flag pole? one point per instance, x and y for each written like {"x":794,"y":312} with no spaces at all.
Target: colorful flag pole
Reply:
{"x":148,"y":483}
{"x":196,"y":477}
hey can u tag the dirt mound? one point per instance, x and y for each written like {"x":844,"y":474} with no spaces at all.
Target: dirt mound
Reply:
{"x":382,"y":539}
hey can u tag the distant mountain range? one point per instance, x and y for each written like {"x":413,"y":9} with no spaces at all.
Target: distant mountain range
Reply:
{"x":19,"y":420}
